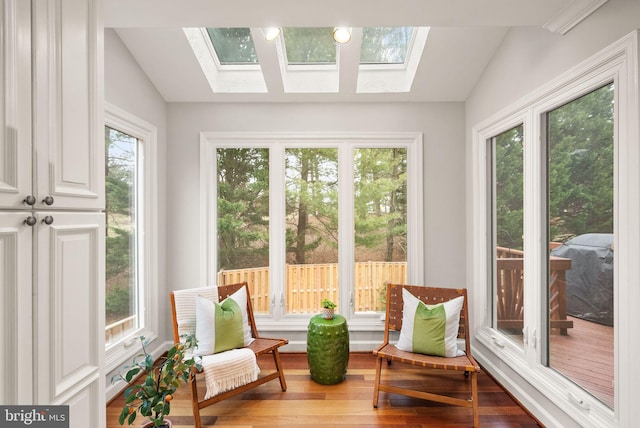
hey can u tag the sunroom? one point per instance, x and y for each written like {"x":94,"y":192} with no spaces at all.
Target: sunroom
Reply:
{"x":493,"y":147}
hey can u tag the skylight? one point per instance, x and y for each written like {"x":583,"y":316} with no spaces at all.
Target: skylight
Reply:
{"x":309,"y":45}
{"x":233,"y":45}
{"x":385,"y":45}
{"x":230,"y":64}
{"x":308,"y":60}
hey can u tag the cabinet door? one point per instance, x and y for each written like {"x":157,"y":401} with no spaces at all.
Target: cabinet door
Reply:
{"x":69,"y":303}
{"x":15,"y":306}
{"x":15,"y":103}
{"x":68,"y":107}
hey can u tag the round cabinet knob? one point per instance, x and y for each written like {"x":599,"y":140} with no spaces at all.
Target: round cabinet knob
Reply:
{"x":48,"y":200}
{"x":30,"y":200}
{"x":47,"y":220}
{"x":30,"y":221}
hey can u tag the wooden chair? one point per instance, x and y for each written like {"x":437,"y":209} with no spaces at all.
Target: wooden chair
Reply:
{"x":259,"y":346}
{"x":465,"y":364}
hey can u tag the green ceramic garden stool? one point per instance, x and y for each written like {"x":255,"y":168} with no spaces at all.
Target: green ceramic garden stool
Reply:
{"x":328,"y":349}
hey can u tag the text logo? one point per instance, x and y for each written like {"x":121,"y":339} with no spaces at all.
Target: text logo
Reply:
{"x":34,"y":416}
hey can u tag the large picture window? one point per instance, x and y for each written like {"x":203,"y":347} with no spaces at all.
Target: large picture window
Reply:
{"x":303,"y":218}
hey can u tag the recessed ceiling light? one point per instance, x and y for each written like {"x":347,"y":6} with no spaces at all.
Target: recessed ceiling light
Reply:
{"x":341,"y":34}
{"x":271,"y":33}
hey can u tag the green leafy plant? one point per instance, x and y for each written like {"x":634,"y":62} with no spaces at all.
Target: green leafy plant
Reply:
{"x":153,"y":396}
{"x":326,"y":303}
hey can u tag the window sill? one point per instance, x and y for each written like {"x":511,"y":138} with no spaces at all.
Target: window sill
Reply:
{"x":125,"y":349}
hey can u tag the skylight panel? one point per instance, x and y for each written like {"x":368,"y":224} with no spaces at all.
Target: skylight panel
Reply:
{"x":385,"y":45}
{"x":390,"y":63}
{"x":308,"y":46}
{"x":231,"y":67}
{"x":233,"y":45}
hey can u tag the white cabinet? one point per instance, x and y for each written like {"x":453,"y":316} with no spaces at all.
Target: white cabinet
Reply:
{"x":15,"y":104}
{"x":52,"y":106}
{"x":68,"y":296}
{"x":15,"y":304}
{"x":51,"y":196}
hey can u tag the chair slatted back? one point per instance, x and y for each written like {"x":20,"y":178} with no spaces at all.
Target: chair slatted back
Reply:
{"x":187,"y":305}
{"x":430,"y":296}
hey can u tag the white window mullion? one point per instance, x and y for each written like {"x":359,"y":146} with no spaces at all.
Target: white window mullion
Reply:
{"x":208,"y":210}
{"x":534,"y":205}
{"x":277,"y":230}
{"x":415,"y":212}
{"x":346,"y":230}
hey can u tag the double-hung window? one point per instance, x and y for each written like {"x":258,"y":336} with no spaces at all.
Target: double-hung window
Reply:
{"x":308,"y":217}
{"x":130,"y":298}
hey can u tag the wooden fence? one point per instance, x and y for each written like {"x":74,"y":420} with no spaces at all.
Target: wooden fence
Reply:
{"x":308,"y":284}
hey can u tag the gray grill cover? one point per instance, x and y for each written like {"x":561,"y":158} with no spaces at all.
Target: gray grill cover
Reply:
{"x":590,"y":280}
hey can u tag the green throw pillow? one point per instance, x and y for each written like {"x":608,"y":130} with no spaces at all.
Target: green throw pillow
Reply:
{"x":228,"y":325}
{"x":430,"y":329}
{"x":222,"y":326}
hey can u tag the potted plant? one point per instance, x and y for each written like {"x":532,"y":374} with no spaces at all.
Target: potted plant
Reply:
{"x":153,"y":396}
{"x":328,"y":308}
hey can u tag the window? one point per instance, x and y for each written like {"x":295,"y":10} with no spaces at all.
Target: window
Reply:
{"x":580,"y":214}
{"x":579,"y":246}
{"x":380,"y":220}
{"x":123,"y":232}
{"x":506,"y":154}
{"x":243,"y":220}
{"x":233,"y":45}
{"x":131,"y":260}
{"x":385,"y":45}
{"x":309,"y":45}
{"x":313,"y":217}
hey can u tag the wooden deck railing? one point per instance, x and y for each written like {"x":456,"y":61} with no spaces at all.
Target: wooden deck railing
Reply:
{"x":308,"y":284}
{"x":510,"y":290}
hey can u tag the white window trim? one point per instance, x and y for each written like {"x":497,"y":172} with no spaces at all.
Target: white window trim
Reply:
{"x":617,"y":63}
{"x":245,"y":78}
{"x":124,"y":349}
{"x":277,"y":143}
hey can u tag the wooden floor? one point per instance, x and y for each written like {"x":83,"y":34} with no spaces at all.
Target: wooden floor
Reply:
{"x":347,"y":404}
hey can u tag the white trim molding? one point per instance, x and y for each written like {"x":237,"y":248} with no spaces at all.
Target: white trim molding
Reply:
{"x":573,"y":14}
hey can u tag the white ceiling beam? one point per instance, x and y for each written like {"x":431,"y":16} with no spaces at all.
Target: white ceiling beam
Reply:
{"x":268,"y":58}
{"x":349,"y":62}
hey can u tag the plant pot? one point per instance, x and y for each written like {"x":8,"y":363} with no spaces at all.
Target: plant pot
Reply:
{"x":167,"y":424}
{"x":327,"y":313}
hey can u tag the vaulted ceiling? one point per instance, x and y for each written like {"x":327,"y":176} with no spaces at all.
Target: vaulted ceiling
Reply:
{"x":462,"y":37}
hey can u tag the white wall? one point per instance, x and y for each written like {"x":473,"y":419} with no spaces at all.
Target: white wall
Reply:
{"x":442,"y":125}
{"x":528,"y":59}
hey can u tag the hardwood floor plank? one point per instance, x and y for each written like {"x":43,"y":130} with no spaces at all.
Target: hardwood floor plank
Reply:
{"x":348,"y":403}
